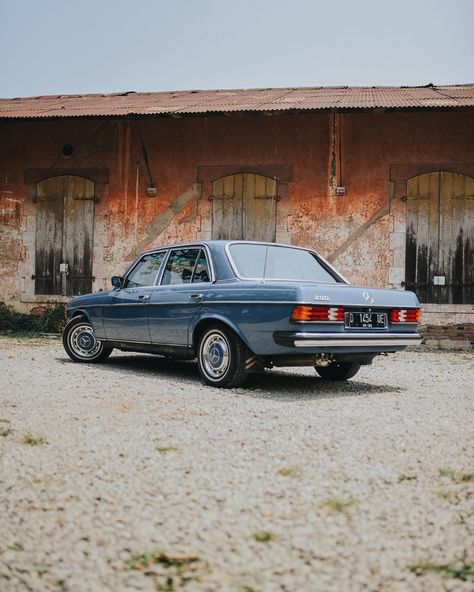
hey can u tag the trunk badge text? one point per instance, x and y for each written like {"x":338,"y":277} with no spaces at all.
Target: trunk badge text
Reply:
{"x":321,"y":297}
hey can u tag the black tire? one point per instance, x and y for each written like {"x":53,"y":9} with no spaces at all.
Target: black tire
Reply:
{"x":221,"y":357}
{"x":80,"y":343}
{"x":338,"y":370}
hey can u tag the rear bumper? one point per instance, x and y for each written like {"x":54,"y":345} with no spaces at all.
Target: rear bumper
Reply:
{"x":344,"y":340}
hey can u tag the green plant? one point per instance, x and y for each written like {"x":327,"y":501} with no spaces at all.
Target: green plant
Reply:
{"x":5,"y":432}
{"x":34,"y":441}
{"x":459,"y":571}
{"x":264,"y":536}
{"x":339,"y":505}
{"x":292,"y":471}
{"x":51,"y":321}
{"x":145,"y":560}
{"x":164,"y":449}
{"x":404,"y":477}
{"x":4,"y":420}
{"x":179,"y":568}
{"x":457,"y":476}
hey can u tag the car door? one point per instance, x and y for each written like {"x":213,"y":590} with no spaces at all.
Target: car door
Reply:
{"x":184,"y":283}
{"x":126,"y":314}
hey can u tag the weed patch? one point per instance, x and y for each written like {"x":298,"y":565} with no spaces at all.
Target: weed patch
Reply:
{"x":404,"y":477}
{"x":175,"y":571}
{"x":457,"y":476}
{"x":264,"y":536}
{"x":165,"y":449}
{"x":339,"y":505}
{"x":294,"y":471}
{"x":33,"y":440}
{"x":459,"y":571}
{"x":5,"y":432}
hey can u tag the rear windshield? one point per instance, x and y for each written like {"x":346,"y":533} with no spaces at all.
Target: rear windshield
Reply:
{"x":279,"y":263}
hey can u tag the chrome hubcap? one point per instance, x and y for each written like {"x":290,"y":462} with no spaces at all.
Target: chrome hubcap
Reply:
{"x":83,"y":342}
{"x":215,"y":355}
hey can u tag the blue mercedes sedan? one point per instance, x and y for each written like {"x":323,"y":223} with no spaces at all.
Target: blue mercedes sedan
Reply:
{"x":238,"y":307}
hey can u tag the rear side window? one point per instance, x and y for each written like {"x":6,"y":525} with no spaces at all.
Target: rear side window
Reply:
{"x":186,"y":266}
{"x":146,"y":271}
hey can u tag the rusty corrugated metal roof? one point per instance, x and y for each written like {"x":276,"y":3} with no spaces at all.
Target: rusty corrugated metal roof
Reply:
{"x":239,"y":100}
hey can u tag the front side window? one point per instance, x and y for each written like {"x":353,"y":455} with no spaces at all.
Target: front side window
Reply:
{"x":186,"y":266}
{"x":146,"y":270}
{"x":274,"y":262}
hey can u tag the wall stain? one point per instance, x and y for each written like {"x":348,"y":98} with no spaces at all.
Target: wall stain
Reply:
{"x":358,"y":232}
{"x":161,"y":221}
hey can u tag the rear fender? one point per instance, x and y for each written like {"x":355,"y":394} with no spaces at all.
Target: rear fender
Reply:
{"x":199,"y":322}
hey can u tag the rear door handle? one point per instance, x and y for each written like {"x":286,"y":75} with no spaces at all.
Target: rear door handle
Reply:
{"x":197,"y":296}
{"x":144,"y":297}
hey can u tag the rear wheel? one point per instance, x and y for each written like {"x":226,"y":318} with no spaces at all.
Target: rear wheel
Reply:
{"x":338,"y":370}
{"x":221,"y":357}
{"x":81,"y":344}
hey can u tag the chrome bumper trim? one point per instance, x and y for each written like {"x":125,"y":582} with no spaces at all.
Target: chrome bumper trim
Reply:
{"x":349,"y":339}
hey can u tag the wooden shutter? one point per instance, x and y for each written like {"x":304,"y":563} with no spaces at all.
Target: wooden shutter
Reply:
{"x":64,"y":234}
{"x":49,"y":235}
{"x":78,"y":236}
{"x":244,"y":207}
{"x":440,"y":238}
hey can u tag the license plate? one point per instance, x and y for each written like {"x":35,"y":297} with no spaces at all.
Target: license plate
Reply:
{"x":365,"y":320}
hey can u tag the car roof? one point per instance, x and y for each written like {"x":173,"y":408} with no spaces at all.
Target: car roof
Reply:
{"x":219,"y":243}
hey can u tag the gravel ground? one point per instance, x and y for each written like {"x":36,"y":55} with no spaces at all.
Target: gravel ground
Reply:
{"x":132,"y":475}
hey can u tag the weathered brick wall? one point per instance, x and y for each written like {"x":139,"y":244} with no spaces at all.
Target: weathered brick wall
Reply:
{"x":449,"y":336}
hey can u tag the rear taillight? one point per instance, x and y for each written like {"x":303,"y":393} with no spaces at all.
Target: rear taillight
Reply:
{"x":405,"y":315}
{"x":306,"y":312}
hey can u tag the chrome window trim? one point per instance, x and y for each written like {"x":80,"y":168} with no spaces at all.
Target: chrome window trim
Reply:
{"x":210,"y":262}
{"x":135,"y":264}
{"x":167,"y":250}
{"x":315,"y":253}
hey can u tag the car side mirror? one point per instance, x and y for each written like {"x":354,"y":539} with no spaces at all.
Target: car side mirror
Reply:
{"x":117,"y":281}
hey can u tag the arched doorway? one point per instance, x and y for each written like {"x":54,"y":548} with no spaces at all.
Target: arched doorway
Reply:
{"x":244,"y":207}
{"x":440,"y":238}
{"x":64,"y":235}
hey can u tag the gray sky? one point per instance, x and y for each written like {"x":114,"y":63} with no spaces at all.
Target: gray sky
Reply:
{"x":83,"y":46}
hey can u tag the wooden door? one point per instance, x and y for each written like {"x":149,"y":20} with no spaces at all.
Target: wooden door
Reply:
{"x":440,"y":238}
{"x":64,"y":236}
{"x":244,"y":207}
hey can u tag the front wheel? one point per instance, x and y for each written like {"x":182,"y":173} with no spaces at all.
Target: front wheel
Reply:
{"x":81,"y":344}
{"x":338,"y":370}
{"x":221,"y":357}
